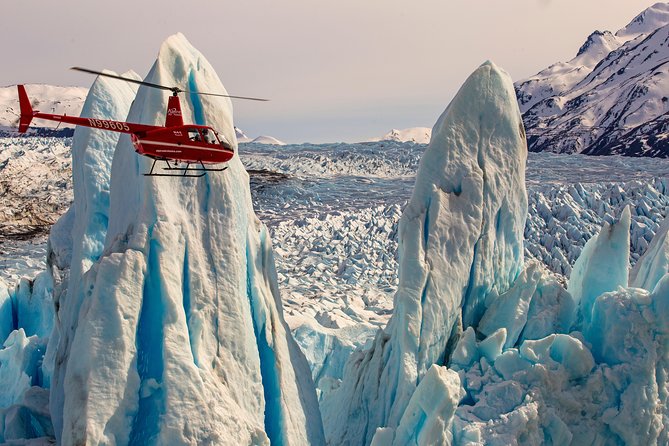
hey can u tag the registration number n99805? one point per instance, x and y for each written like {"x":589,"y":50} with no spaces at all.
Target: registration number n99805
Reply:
{"x":109,"y":125}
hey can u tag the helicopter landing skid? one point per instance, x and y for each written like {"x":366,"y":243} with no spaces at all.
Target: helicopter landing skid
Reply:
{"x":187,"y":172}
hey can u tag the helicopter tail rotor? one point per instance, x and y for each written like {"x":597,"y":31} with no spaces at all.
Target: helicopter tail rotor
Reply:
{"x":27,"y":112}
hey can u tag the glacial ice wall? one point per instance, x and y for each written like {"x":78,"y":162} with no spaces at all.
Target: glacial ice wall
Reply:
{"x":180,"y":337}
{"x":460,"y":243}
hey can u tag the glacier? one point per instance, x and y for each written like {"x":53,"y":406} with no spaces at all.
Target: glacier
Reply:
{"x":603,"y":382}
{"x":520,"y":316}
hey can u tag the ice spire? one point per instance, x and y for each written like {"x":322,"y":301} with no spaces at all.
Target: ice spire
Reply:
{"x":181,"y":338}
{"x":654,"y":264}
{"x":92,"y":154}
{"x":460,"y":243}
{"x":602,"y":266}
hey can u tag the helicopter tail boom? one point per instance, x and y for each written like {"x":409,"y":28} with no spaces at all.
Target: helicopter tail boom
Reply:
{"x":27,"y":112}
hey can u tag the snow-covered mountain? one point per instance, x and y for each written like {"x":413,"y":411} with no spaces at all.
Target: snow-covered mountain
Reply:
{"x":241,"y":136}
{"x":264,"y":139}
{"x":610,"y":99}
{"x":419,"y":135}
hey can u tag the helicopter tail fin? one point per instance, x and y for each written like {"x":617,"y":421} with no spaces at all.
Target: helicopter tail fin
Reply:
{"x":26,"y":110}
{"x":174,"y":118}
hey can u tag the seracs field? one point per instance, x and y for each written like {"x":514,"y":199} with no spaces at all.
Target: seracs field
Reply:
{"x":460,"y":292}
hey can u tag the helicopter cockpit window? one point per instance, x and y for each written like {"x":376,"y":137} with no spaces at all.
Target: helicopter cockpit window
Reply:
{"x":224,"y":142}
{"x":193,"y":135}
{"x":208,"y":136}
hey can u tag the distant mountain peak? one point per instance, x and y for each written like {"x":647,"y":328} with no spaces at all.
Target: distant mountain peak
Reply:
{"x":596,"y":47}
{"x":647,"y":21}
{"x":418,"y":135}
{"x":609,"y":98}
{"x":597,"y":38}
{"x":264,"y":139}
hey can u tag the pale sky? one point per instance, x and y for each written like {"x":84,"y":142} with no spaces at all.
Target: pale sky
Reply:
{"x":341,"y":70}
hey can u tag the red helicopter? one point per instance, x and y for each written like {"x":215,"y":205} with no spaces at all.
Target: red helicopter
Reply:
{"x":175,"y":141}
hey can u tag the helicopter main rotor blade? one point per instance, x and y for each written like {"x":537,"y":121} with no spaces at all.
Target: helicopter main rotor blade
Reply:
{"x":127,"y":79}
{"x":163,"y":87}
{"x":224,"y":95}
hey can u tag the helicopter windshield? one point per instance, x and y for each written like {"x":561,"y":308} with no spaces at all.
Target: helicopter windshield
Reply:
{"x":224,"y":142}
{"x":208,"y":136}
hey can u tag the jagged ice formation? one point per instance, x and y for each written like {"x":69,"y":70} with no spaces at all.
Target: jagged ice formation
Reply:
{"x":497,"y":353}
{"x":464,"y":221}
{"x":528,"y":361}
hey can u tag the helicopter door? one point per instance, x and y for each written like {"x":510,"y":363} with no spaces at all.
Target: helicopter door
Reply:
{"x":194,"y":135}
